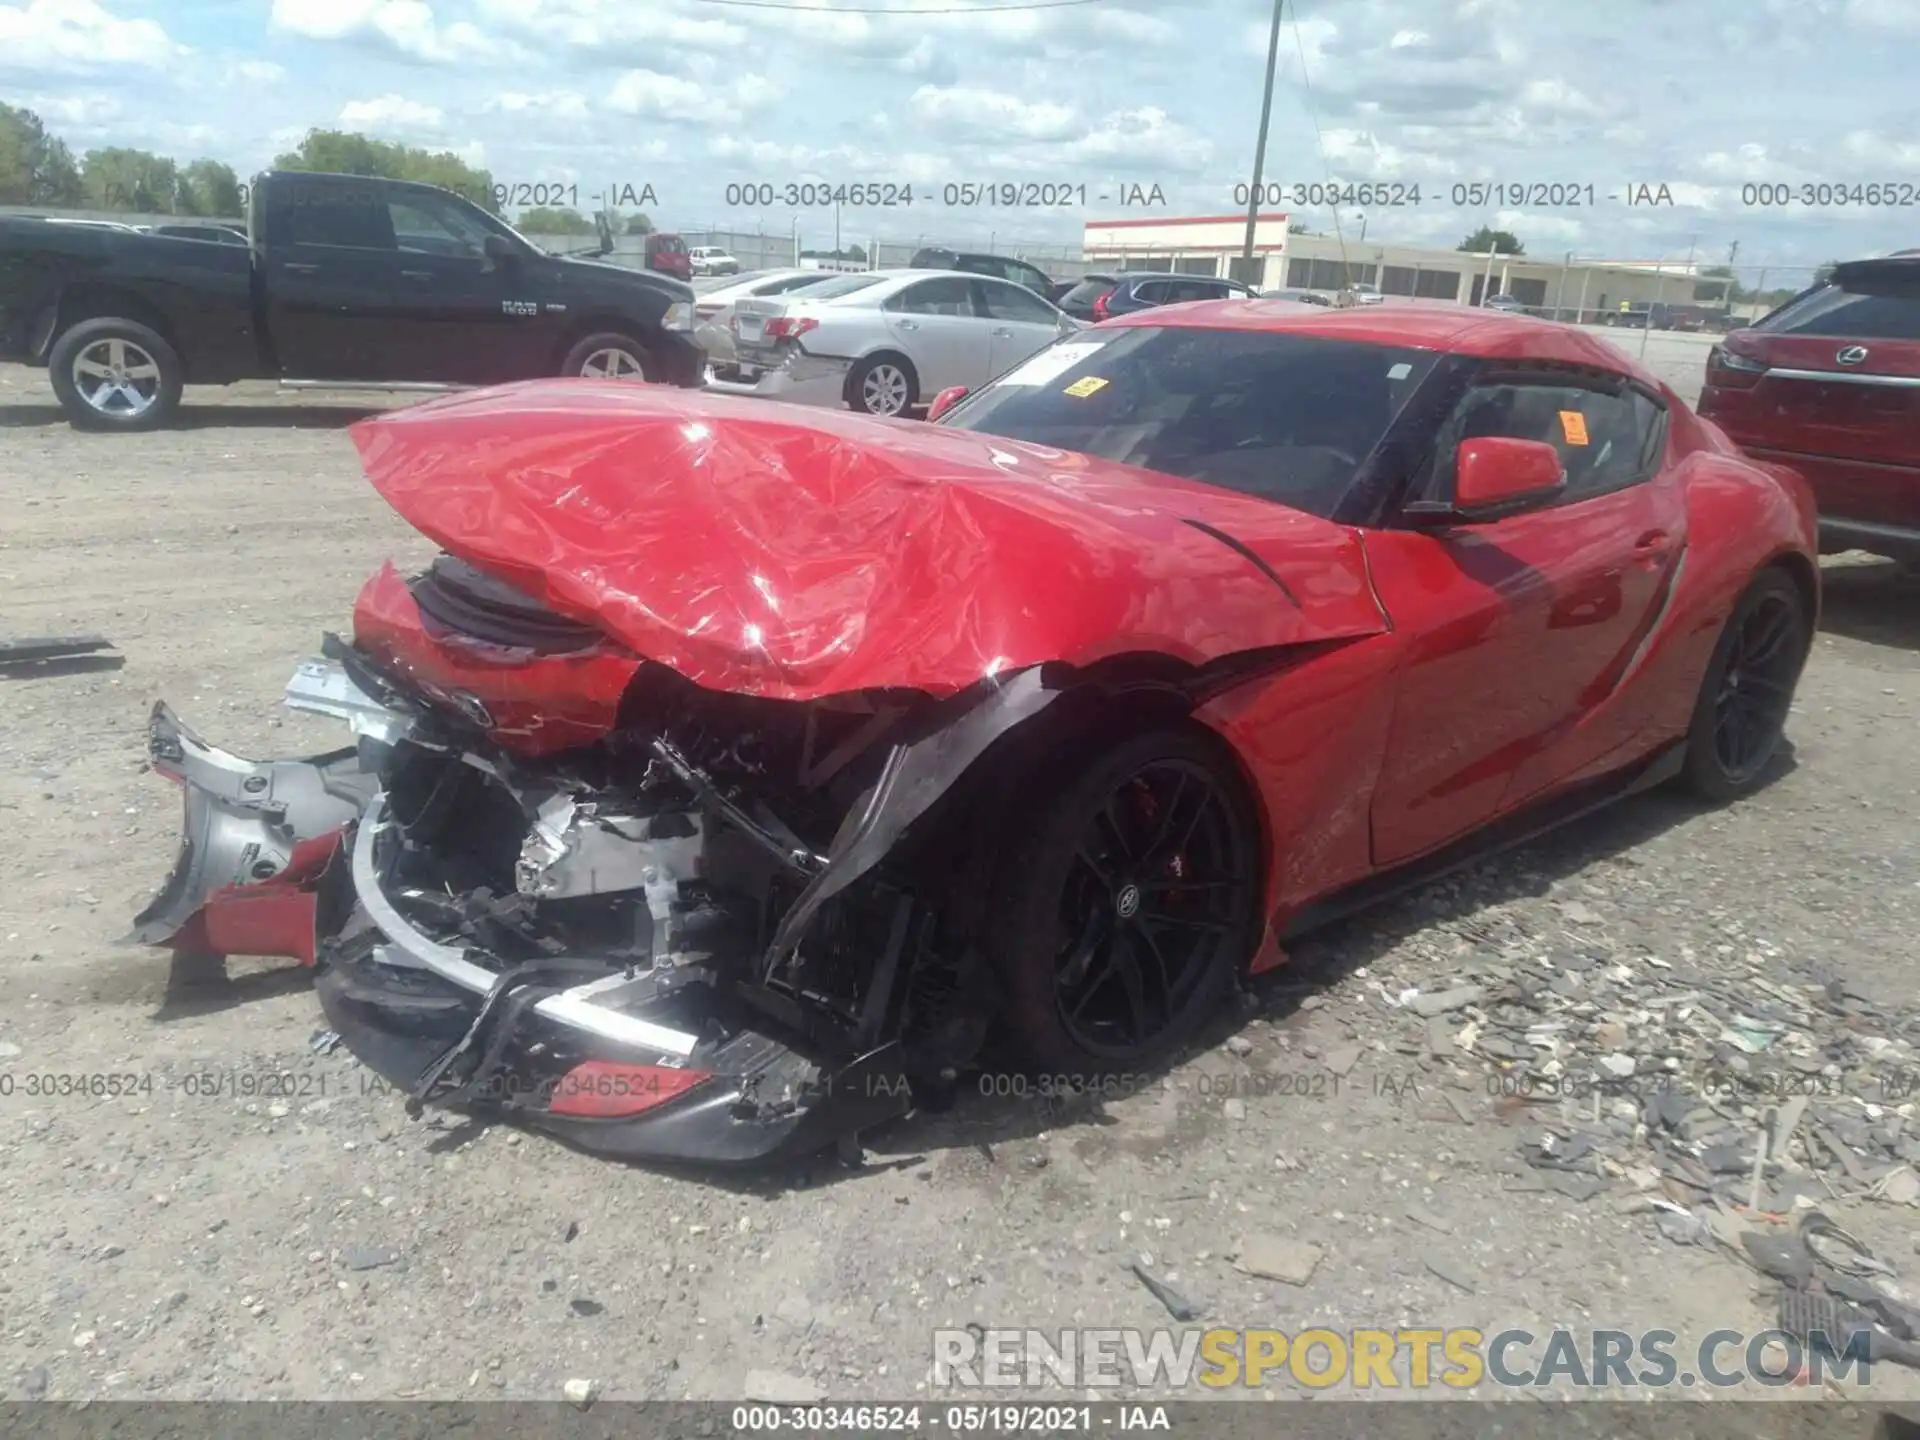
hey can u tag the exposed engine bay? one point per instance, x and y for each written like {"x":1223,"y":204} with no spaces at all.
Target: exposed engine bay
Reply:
{"x":725,"y":902}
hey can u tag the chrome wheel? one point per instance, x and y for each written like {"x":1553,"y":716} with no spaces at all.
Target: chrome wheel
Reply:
{"x":612,"y":364}
{"x":116,"y":378}
{"x":884,"y":390}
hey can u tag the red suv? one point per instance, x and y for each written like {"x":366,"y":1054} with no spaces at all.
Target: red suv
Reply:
{"x":669,"y":255}
{"x":1830,"y":384}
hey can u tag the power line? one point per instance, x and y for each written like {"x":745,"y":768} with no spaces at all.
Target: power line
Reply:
{"x":891,"y":10}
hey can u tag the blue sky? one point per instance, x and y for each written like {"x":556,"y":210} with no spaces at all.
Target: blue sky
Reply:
{"x":689,"y":95}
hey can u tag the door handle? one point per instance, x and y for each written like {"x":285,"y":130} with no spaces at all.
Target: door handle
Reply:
{"x":295,"y":267}
{"x":909,"y":324}
{"x":1003,"y":333}
{"x":416,"y":274}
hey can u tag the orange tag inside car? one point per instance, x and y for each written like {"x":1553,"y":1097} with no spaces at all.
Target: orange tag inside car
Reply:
{"x":1573,"y":425}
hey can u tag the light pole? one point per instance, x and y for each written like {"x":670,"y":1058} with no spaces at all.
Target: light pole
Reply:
{"x":1260,"y":143}
{"x":1363,"y":230}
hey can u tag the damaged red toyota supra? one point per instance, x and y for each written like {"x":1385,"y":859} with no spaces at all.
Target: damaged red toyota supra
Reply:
{"x":740,"y":777}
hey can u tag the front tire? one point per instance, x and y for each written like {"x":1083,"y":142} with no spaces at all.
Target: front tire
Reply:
{"x":883,"y":385}
{"x":607,"y":356}
{"x":1129,"y":906}
{"x":115,"y":374}
{"x":1741,"y":714}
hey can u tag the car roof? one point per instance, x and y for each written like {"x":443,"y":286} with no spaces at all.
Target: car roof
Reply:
{"x":1902,"y":266}
{"x":1461,"y":331}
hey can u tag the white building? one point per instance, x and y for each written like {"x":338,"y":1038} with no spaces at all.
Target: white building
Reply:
{"x":1213,"y":245}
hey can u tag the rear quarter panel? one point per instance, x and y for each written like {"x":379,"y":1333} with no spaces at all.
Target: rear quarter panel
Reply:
{"x":1741,"y":517}
{"x":198,"y":295}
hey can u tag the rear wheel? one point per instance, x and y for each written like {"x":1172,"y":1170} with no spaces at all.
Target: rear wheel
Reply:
{"x":883,"y":385}
{"x":1130,"y":906}
{"x":1741,"y":714}
{"x":115,"y":374}
{"x":607,"y":357}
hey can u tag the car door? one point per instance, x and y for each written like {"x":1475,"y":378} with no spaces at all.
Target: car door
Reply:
{"x":1023,"y":323}
{"x":938,"y":326}
{"x":330,"y":268}
{"x":470,"y":318}
{"x":1520,"y":632}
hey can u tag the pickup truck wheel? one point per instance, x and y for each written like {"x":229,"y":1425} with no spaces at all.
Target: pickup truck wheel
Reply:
{"x":607,"y":357}
{"x":113,"y":374}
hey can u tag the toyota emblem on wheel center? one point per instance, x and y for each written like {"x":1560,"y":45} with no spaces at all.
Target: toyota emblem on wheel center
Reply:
{"x":1851,"y":354}
{"x":1127,"y":902}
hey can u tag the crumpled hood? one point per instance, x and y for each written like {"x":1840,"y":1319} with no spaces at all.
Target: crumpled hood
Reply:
{"x":770,"y":550}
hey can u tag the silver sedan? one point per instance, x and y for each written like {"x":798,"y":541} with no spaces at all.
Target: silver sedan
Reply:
{"x":885,"y":341}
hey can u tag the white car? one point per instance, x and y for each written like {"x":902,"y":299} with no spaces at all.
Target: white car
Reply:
{"x":887,"y":340}
{"x":712,"y":260}
{"x":713,"y":310}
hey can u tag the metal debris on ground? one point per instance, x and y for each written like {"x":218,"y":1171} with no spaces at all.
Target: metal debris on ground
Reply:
{"x":1177,"y":1304}
{"x":1732,"y":1104}
{"x":27,"y":656}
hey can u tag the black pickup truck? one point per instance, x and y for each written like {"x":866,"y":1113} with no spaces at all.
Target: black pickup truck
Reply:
{"x":345,"y":280}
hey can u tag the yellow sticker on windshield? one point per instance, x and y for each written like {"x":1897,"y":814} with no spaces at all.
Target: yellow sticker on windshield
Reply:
{"x":1573,"y":425}
{"x":1085,"y":386}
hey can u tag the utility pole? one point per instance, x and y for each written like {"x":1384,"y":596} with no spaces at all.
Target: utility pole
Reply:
{"x":1560,"y":292}
{"x":1260,"y":143}
{"x":1733,"y":277}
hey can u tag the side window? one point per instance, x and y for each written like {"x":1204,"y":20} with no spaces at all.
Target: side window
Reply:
{"x":1151,"y":292}
{"x":949,"y":295}
{"x":341,"y":215}
{"x":1005,"y":301}
{"x":426,"y":224}
{"x":1605,"y":441}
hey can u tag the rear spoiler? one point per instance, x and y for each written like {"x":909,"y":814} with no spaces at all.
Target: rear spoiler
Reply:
{"x":1886,"y":275}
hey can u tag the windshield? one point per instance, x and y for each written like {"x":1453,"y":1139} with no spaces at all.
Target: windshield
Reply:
{"x":1882,"y":313}
{"x":1287,"y":417}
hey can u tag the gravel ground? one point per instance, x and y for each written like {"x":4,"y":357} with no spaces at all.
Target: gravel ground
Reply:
{"x":181,"y":1244}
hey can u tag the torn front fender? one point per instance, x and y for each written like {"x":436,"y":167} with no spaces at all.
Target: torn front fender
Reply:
{"x":257,"y":841}
{"x":796,"y":554}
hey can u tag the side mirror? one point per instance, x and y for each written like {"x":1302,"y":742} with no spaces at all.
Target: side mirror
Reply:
{"x":500,"y":250}
{"x":946,"y":400}
{"x":1495,"y":476}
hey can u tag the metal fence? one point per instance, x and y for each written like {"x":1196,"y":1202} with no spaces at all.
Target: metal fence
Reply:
{"x":774,"y":249}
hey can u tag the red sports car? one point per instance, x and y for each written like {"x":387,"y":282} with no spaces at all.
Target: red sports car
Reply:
{"x":739,"y":772}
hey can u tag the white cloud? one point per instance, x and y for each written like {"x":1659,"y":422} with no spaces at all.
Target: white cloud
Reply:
{"x":1558,"y":97}
{"x":565,"y":105}
{"x":407,"y":27}
{"x":391,"y":113}
{"x":669,"y":97}
{"x":257,"y":72}
{"x":68,"y":35}
{"x":1900,"y":16}
{"x":990,"y":115}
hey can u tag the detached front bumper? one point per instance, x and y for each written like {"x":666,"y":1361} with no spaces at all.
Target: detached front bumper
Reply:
{"x":295,"y":858}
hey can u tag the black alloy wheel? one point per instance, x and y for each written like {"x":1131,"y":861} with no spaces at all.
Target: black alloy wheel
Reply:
{"x":1741,"y":714}
{"x":1131,"y":907}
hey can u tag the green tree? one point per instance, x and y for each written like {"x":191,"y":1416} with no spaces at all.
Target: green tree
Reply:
{"x":342,"y":152}
{"x":35,"y":168}
{"x":1501,"y":242}
{"x":118,"y":178}
{"x":639,"y":223}
{"x":209,"y":187}
{"x":544,"y":221}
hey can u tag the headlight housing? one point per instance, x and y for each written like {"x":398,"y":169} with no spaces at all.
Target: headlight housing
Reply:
{"x":679,"y":316}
